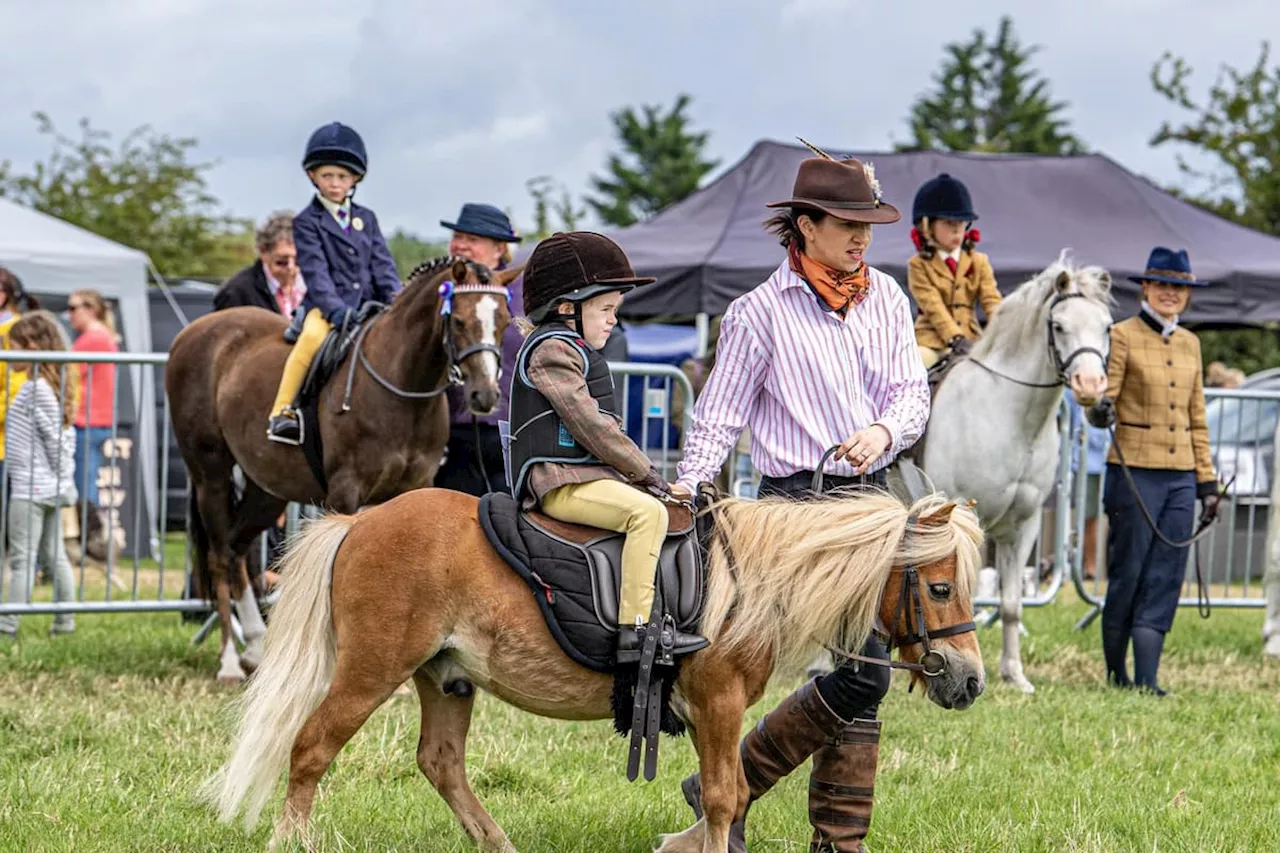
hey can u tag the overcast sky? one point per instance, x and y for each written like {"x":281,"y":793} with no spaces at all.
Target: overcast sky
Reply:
{"x":465,"y":101}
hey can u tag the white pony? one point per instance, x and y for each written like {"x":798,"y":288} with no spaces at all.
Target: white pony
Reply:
{"x":992,"y":435}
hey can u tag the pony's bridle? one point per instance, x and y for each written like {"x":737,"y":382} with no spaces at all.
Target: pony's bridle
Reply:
{"x":910,"y":616}
{"x":447,"y":291}
{"x":1060,"y":364}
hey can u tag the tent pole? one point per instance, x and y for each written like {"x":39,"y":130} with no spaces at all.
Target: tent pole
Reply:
{"x":702,"y":322}
{"x":168,"y":295}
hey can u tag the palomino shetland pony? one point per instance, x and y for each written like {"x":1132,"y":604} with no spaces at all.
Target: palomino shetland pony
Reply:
{"x":223,"y":369}
{"x":412,"y":588}
{"x":992,"y":434}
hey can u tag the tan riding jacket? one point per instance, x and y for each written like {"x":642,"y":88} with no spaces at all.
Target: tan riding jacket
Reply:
{"x":1158,"y":389}
{"x":946,"y":301}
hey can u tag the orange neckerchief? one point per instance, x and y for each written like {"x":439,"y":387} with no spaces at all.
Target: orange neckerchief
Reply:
{"x":837,"y":288}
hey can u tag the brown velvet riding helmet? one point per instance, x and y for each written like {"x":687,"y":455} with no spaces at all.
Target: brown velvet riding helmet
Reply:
{"x":573,"y":267}
{"x":845,"y":189}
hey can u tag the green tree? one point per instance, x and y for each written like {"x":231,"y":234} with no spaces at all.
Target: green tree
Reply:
{"x":662,"y":163}
{"x":409,"y":250}
{"x":989,"y":98}
{"x":1239,"y":127}
{"x":144,"y":193}
{"x":547,"y":204}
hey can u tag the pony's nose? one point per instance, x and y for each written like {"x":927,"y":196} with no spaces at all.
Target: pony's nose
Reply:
{"x":973,"y":686}
{"x":1087,"y":388}
{"x":483,"y":401}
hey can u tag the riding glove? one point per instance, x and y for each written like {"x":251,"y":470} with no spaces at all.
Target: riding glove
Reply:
{"x":1209,"y":508}
{"x":960,"y":345}
{"x":1102,"y":414}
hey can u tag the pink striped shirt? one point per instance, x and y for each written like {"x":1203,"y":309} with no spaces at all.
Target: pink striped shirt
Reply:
{"x":803,"y":379}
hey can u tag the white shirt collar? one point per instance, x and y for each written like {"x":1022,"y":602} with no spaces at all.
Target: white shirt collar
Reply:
{"x":1167,"y":327}
{"x":333,"y":209}
{"x":953,"y":255}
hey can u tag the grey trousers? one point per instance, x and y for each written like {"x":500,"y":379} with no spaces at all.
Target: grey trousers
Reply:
{"x":35,"y":531}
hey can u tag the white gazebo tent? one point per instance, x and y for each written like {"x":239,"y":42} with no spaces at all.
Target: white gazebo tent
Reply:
{"x":55,"y":258}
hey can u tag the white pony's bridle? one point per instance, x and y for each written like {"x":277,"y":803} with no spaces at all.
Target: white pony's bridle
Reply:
{"x":1060,"y":364}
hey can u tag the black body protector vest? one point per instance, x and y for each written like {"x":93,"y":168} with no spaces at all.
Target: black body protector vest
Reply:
{"x":537,"y":432}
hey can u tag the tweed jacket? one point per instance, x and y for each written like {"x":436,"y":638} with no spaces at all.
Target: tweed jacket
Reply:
{"x":946,"y":301}
{"x":1158,"y":389}
{"x":556,"y":370}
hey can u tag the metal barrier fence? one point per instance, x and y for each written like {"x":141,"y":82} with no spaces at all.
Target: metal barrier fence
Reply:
{"x":1233,"y":556}
{"x":129,"y":553}
{"x":142,"y":561}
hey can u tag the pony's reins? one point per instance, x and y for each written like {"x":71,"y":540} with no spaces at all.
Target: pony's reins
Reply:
{"x":1060,"y":364}
{"x":1202,"y":530}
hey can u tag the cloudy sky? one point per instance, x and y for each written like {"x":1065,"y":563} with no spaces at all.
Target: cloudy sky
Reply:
{"x":467,"y":100}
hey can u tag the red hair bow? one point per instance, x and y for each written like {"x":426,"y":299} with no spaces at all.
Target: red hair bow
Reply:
{"x":917,"y":239}
{"x":973,"y":235}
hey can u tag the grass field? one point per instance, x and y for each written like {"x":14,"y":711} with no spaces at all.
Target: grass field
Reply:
{"x":104,"y":736}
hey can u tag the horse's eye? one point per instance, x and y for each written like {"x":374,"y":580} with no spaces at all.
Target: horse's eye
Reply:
{"x":1057,"y":327}
{"x":940,"y":591}
{"x":458,"y":325}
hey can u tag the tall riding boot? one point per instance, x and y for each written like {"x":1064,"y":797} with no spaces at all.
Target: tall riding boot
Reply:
{"x":842,"y":788}
{"x":779,"y":743}
{"x":1115,"y":648}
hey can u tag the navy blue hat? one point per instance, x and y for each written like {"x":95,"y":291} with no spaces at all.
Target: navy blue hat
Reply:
{"x":335,"y":144}
{"x":484,"y":220}
{"x":943,"y":197}
{"x":1169,"y":266}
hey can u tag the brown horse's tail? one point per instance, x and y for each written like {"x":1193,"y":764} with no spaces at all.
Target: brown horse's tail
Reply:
{"x":296,"y":671}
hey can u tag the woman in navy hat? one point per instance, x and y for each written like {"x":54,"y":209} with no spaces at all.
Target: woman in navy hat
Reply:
{"x":473,"y":462}
{"x":1155,"y":401}
{"x":947,"y":275}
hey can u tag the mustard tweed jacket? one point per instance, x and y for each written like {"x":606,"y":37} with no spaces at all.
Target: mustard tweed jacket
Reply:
{"x":946,"y":301}
{"x":1158,"y":388}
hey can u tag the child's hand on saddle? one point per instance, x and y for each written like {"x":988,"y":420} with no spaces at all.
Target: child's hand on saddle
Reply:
{"x":680,"y":493}
{"x":864,"y":447}
{"x":655,"y":482}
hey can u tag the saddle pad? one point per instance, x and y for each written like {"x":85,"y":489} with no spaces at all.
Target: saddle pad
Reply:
{"x":575,"y":578}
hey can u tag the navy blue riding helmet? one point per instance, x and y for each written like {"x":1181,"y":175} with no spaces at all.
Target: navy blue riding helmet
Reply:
{"x":335,"y":144}
{"x":943,"y":197}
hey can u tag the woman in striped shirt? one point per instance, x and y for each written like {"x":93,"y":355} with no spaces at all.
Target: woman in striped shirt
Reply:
{"x":823,"y":353}
{"x":40,"y":455}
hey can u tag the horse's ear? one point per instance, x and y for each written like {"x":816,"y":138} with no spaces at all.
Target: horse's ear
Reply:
{"x":510,"y":274}
{"x":940,"y":517}
{"x":1063,"y":282}
{"x":459,"y":270}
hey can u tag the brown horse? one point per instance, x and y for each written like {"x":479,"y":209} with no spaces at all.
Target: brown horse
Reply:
{"x":412,"y":588}
{"x":444,"y":327}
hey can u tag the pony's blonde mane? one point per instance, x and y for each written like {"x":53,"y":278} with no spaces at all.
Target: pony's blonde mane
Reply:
{"x":1021,"y":317}
{"x":796,"y":575}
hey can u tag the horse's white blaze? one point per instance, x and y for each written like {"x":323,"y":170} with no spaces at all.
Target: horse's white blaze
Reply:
{"x":487,"y":314}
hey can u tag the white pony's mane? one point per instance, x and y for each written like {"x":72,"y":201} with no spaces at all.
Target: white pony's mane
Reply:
{"x":1020,"y":322}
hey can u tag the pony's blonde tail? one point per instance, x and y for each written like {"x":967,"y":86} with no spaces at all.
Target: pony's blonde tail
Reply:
{"x":297,"y":668}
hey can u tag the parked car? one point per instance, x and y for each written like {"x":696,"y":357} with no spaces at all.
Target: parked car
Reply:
{"x":1242,"y":434}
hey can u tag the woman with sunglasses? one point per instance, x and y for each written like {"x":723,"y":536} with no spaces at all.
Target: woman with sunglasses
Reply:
{"x":272,"y":281}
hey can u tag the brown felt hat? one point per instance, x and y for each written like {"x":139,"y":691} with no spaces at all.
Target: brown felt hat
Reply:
{"x":573,"y":267}
{"x":846,"y":189}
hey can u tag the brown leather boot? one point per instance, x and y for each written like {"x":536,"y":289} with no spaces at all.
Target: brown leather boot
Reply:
{"x":779,"y":743}
{"x":842,"y":788}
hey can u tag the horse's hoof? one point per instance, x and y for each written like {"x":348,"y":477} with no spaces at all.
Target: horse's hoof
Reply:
{"x":1272,"y":648}
{"x":1020,"y":682}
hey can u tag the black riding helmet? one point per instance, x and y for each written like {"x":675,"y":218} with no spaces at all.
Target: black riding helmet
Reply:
{"x":572,"y":268}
